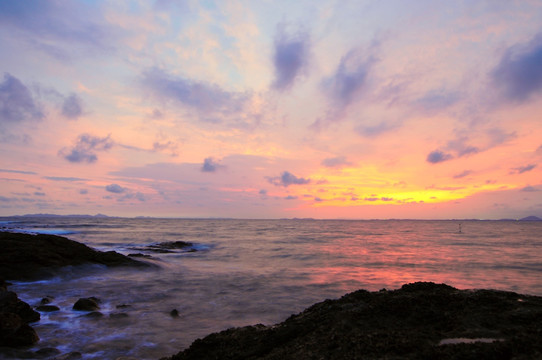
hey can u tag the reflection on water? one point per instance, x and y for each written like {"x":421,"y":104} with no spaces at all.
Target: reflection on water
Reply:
{"x":250,"y":272}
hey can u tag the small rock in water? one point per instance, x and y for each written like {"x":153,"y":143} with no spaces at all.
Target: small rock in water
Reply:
{"x":174,"y":313}
{"x":94,"y":315}
{"x":123,"y":306}
{"x":46,"y":300}
{"x":118,"y":315}
{"x":46,"y":352}
{"x":86,"y":304}
{"x":47,"y":308}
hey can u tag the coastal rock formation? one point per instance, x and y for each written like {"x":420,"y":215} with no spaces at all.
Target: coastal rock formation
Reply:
{"x":26,"y":257}
{"x":15,"y":315}
{"x":86,"y":304}
{"x":418,"y":321}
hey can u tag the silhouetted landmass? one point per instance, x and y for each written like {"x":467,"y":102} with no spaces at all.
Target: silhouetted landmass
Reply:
{"x":418,"y":321}
{"x":26,"y":256}
{"x":531,"y":218}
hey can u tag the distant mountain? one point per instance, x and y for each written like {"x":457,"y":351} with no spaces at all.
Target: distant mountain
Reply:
{"x":55,"y":215}
{"x":531,"y":218}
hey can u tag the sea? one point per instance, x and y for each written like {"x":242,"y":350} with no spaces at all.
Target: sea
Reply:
{"x":246,"y":272}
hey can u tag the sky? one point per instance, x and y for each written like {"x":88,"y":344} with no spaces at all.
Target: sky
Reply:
{"x":423,"y":109}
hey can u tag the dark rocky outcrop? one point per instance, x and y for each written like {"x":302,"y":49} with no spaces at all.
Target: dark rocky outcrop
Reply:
{"x":27,"y":257}
{"x":15,"y":315}
{"x":166,"y":247}
{"x":418,"y":321}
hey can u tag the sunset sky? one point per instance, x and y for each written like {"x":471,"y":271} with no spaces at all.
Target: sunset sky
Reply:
{"x":271,"y":109}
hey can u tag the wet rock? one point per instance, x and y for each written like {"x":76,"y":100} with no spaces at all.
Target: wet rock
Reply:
{"x":14,"y":332}
{"x":74,"y":355}
{"x":408,"y":323}
{"x":174,"y":313}
{"x":168,"y":247}
{"x":86,"y":304}
{"x":123,"y":306}
{"x":140,"y":255}
{"x":94,"y":315}
{"x":47,"y":308}
{"x":47,"y":353}
{"x":46,"y":300}
{"x":10,"y":303}
{"x":28,"y":257}
{"x":118,"y":315}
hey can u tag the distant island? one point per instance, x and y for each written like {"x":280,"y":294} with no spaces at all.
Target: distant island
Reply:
{"x":531,"y":218}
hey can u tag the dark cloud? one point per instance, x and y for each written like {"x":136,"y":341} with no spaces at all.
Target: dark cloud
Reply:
{"x":51,"y":25}
{"x":204,"y":97}
{"x":83,"y":191}
{"x":18,"y":172}
{"x":38,"y":193}
{"x":376,"y":130}
{"x":85,"y":148}
{"x":115,"y":188}
{"x":286,"y":179}
{"x":438,"y":156}
{"x":522,"y":169}
{"x":60,"y":178}
{"x":350,"y":77}
{"x":290,"y":197}
{"x":519,"y":72}
{"x":72,"y":107}
{"x":16,"y":102}
{"x":290,"y":57}
{"x":462,"y":174}
{"x":262,"y":192}
{"x":530,"y":189}
{"x":338,"y":161}
{"x":210,"y":165}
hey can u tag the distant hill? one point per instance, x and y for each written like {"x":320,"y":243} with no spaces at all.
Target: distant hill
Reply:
{"x":72,"y":216}
{"x":531,"y":218}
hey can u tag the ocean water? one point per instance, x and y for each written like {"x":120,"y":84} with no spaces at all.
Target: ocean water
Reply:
{"x":258,"y":271}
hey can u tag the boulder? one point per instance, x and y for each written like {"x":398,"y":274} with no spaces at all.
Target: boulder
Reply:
{"x":47,"y":308}
{"x":14,"y":332}
{"x":86,"y":304}
{"x":30,"y":257}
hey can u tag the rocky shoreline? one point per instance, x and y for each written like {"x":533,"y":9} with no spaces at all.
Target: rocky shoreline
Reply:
{"x":417,"y":321}
{"x":35,"y":257}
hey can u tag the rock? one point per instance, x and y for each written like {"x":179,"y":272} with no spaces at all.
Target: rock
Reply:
{"x":47,"y":308}
{"x":86,"y":304}
{"x":74,"y":355}
{"x":14,"y":332}
{"x":118,"y":315}
{"x":166,"y":247}
{"x":10,"y":303}
{"x":46,"y":300}
{"x":46,"y":353}
{"x":411,"y":322}
{"x":174,"y":313}
{"x":94,"y":315}
{"x":30,"y":257}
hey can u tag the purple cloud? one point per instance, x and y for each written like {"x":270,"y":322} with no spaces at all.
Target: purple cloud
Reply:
{"x":438,"y":156}
{"x":290,"y":57}
{"x":85,"y":148}
{"x":338,"y":161}
{"x":72,"y":107}
{"x":286,"y":179}
{"x":519,"y":73}
{"x":115,"y":188}
{"x":204,"y":97}
{"x":16,"y":102}
{"x":462,"y":174}
{"x":210,"y":165}
{"x":522,"y":169}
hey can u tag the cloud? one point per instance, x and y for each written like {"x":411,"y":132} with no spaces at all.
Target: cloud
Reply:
{"x":18,"y":172}
{"x":530,"y":189}
{"x":338,"y":161}
{"x":290,"y":57}
{"x":286,"y":179}
{"x":262,"y":192}
{"x":85,"y":148}
{"x":350,"y":77}
{"x":72,"y":107}
{"x":290,"y":197}
{"x":16,"y":102}
{"x":462,"y":174}
{"x":376,"y":129}
{"x":115,"y":188}
{"x":83,"y":191}
{"x":438,"y":156}
{"x":60,"y":178}
{"x":522,"y":169}
{"x":210,"y":165}
{"x":519,"y":74}
{"x":204,"y":97}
